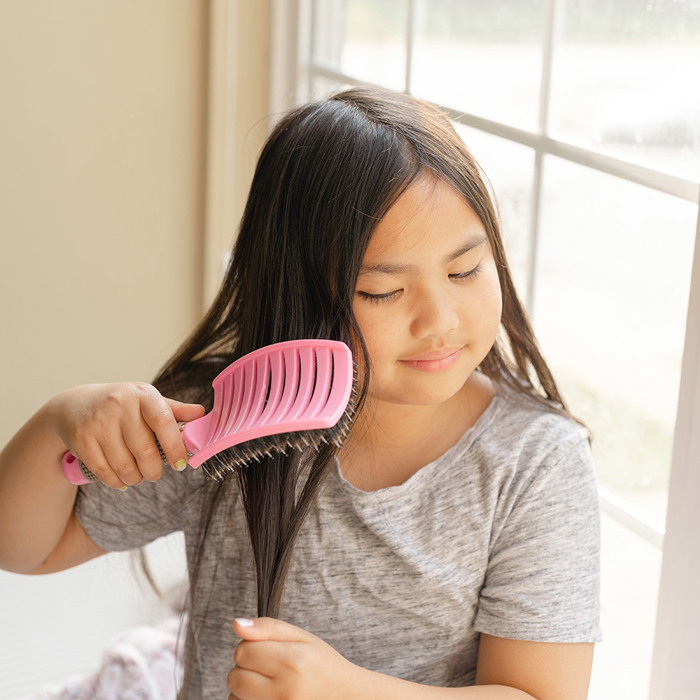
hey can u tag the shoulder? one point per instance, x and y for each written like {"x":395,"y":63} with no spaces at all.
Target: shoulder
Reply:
{"x":520,"y":427}
{"x":518,"y":451}
{"x":517,"y":454}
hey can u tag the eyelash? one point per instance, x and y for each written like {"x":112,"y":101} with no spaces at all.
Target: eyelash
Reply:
{"x":378,"y":298}
{"x":467,"y":275}
{"x":388,"y":296}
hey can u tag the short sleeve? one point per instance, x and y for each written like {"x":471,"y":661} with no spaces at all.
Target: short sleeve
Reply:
{"x":542,"y":580}
{"x":121,"y":520}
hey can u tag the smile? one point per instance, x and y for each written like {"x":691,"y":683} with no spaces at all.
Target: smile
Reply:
{"x":434,"y":361}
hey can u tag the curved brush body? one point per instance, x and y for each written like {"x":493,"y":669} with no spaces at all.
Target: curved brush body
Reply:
{"x":296,"y":394}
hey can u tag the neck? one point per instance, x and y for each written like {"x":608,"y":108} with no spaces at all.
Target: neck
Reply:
{"x":390,"y":442}
{"x":387,"y":426}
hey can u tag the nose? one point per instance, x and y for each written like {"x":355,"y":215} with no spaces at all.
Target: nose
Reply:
{"x":434,"y":315}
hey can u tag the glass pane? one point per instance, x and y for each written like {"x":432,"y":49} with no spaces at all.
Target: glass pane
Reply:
{"x":630,"y":570}
{"x":322,"y":87}
{"x":509,"y":168}
{"x":611,"y":294}
{"x":625,"y":80}
{"x":480,"y":56}
{"x":362,"y":38}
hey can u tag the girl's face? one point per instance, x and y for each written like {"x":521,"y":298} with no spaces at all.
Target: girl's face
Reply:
{"x":428,"y":298}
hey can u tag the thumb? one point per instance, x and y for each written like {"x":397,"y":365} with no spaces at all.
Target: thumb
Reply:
{"x":185,"y":411}
{"x":268,"y":628}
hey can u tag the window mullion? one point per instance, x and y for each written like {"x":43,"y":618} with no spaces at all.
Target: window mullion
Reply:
{"x":675,"y":668}
{"x":548,"y":37}
{"x":618,"y":508}
{"x":410,"y":35}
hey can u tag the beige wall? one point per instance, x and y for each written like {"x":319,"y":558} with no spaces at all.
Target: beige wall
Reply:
{"x":106,"y":224}
{"x":239,"y":67}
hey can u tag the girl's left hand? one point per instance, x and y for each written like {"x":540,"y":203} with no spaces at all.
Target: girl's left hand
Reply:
{"x":278,"y":660}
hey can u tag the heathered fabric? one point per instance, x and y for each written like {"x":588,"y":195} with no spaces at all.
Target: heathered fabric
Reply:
{"x":499,"y":535}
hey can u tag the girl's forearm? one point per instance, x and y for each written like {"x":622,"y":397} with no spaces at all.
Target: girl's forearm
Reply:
{"x":36,"y":502}
{"x":377,"y":686}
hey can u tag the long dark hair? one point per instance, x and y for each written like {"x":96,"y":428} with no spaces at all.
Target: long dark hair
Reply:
{"x":327,"y":174}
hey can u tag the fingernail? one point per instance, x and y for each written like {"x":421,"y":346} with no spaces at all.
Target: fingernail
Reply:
{"x":245,"y":622}
{"x":180,"y":465}
{"x":123,"y":488}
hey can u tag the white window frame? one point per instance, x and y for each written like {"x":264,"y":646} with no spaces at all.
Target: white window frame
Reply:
{"x":675,"y":669}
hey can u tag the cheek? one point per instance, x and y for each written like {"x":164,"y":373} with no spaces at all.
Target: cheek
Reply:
{"x":495,"y":301}
{"x":364,"y":321}
{"x":372,"y":327}
{"x":375,"y":335}
{"x":381,"y":330}
{"x":490,"y":307}
{"x":371,"y":317}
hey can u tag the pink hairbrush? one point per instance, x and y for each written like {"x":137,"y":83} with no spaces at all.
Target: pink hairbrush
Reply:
{"x":295,"y":394}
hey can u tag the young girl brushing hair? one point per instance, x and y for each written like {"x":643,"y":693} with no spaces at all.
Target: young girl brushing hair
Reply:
{"x":450,"y":549}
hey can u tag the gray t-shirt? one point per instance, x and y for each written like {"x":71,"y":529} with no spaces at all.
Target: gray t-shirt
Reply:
{"x":499,"y":535}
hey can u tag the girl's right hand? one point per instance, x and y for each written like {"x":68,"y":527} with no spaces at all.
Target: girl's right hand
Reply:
{"x":113,"y":428}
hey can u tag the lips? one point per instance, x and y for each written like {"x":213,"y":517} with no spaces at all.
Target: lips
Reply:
{"x":434,"y":360}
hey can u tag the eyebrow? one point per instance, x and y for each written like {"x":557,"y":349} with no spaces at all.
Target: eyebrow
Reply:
{"x":388,"y":269}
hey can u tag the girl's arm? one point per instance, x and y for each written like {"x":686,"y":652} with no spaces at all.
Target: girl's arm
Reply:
{"x":547,"y":671}
{"x":277,"y":659}
{"x":36,"y":502}
{"x":111,"y":428}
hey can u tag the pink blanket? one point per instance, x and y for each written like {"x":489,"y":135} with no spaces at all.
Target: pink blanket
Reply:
{"x":139,"y":665}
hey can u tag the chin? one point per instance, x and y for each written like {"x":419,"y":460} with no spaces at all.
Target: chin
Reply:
{"x":418,"y":394}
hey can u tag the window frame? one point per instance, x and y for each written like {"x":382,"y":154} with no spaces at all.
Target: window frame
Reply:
{"x":675,"y":672}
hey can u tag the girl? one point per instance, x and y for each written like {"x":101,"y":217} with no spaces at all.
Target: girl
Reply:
{"x":450,"y":549}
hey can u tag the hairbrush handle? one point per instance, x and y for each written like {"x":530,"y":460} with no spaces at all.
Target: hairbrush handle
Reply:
{"x":75,"y":471}
{"x":79,"y":474}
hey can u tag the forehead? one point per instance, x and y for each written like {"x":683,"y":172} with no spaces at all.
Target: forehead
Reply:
{"x":430,"y":215}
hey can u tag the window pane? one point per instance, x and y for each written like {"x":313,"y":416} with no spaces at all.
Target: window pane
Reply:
{"x":362,"y":38}
{"x":630,"y":571}
{"x":611,"y":294}
{"x":322,"y":87}
{"x":480,"y":56}
{"x":625,"y":80}
{"x":509,"y":168}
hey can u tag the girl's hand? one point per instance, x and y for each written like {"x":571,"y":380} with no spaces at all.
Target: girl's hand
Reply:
{"x":111,"y":427}
{"x":277,"y":660}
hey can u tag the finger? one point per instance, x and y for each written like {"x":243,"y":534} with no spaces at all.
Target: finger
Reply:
{"x":160,"y":420}
{"x":93,"y":457}
{"x":185,"y":411}
{"x":143,"y":450}
{"x":248,"y":685}
{"x":264,"y":657}
{"x":269,"y":628}
{"x":121,"y":457}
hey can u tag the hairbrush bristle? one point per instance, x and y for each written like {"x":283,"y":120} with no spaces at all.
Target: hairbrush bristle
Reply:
{"x":232,"y":459}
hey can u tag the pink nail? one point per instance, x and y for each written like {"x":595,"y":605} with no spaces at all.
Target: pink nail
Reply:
{"x":245,"y":622}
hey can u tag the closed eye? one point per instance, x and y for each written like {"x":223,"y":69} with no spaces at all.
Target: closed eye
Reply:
{"x":467,"y":275}
{"x":379,"y":298}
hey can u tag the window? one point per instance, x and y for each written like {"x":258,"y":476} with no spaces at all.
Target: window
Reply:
{"x":585,"y":116}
